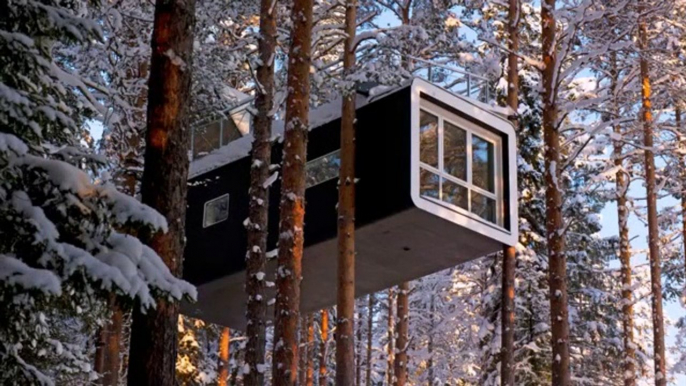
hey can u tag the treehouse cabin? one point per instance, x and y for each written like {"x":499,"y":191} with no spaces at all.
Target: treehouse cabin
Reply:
{"x":436,"y":186}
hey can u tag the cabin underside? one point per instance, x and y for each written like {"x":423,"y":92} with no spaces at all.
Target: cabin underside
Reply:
{"x":402,"y":247}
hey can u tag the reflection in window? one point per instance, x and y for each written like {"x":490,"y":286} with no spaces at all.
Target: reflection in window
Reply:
{"x":206,"y":139}
{"x":216,"y":211}
{"x":445,"y":173}
{"x":323,"y":169}
{"x":483,"y":164}
{"x":455,"y":194}
{"x":220,"y":132}
{"x":483,"y":207}
{"x":428,"y":184}
{"x":455,"y":151}
{"x":428,"y":132}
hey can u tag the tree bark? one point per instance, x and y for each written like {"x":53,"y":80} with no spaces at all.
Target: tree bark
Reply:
{"x":622,"y":186}
{"x":309,"y":373}
{"x":653,"y":232}
{"x":345,"y":294}
{"x":370,"y":334}
{"x":390,"y":357}
{"x":259,"y":198}
{"x":402,"y":340}
{"x":507,"y":377}
{"x":154,"y":334}
{"x":557,"y":265}
{"x":677,"y":117}
{"x":223,"y":365}
{"x":304,"y":352}
{"x":108,"y":350}
{"x":292,"y":211}
{"x":324,"y":339}
{"x":358,"y":350}
{"x":430,"y":345}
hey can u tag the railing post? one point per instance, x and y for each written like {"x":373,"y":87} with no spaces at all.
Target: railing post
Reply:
{"x":469,"y":86}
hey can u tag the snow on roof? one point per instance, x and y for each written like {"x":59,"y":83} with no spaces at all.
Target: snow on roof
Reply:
{"x":318,"y":117}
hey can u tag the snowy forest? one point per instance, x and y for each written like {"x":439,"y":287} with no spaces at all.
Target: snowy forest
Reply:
{"x":103,"y":108}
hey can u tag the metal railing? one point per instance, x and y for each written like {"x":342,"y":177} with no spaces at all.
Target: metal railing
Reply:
{"x":456,"y":80}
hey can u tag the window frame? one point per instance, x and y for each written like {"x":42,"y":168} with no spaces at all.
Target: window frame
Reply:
{"x":208,"y":202}
{"x":471,"y":129}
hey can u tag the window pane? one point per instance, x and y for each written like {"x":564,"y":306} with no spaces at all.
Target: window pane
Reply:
{"x":455,"y":194}
{"x":483,"y":207}
{"x":455,"y":151}
{"x":216,"y":210}
{"x":206,"y":139}
{"x":428,"y":184}
{"x":242,"y":119}
{"x":230,"y":132}
{"x":323,"y":169}
{"x":483,"y":164}
{"x":428,"y":136}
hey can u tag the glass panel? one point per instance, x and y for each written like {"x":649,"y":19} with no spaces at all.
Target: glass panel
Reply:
{"x":242,"y":119}
{"x":206,"y":139}
{"x":216,"y":210}
{"x":483,"y":207}
{"x":428,"y":184}
{"x":455,"y":194}
{"x":323,"y":169}
{"x":483,"y":164}
{"x":428,"y":136}
{"x":455,"y":151}
{"x":229,"y":132}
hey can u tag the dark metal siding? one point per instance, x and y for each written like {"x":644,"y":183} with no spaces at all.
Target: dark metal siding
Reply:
{"x":383,"y":189}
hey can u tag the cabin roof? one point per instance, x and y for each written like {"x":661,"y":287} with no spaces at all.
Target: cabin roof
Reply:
{"x":318,"y":117}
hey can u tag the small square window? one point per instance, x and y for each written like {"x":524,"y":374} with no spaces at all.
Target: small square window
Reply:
{"x":428,"y":184}
{"x":216,"y":211}
{"x":322,"y":169}
{"x":455,"y":194}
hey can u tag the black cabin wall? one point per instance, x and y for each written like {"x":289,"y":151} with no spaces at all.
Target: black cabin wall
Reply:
{"x":383,"y":189}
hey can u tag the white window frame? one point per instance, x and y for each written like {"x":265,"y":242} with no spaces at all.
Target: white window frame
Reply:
{"x":204,"y":210}
{"x":470,"y":129}
{"x":508,"y":233}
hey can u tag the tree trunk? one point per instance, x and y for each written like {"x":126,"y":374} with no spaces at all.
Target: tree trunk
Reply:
{"x":557,"y":265}
{"x":430,"y":345}
{"x":154,"y":333}
{"x":223,"y":365}
{"x":653,"y":232}
{"x":309,"y":373}
{"x":402,"y":340}
{"x":507,"y":311}
{"x":345,"y":298}
{"x":303,"y":352}
{"x":292,"y":211}
{"x":370,"y":334}
{"x":259,"y":198}
{"x":390,"y":357}
{"x":108,"y":350}
{"x":622,"y":186}
{"x":358,"y":349}
{"x":677,"y":116}
{"x":324,"y":337}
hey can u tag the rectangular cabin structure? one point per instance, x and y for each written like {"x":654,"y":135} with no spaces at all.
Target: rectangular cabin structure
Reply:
{"x":436,"y":186}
